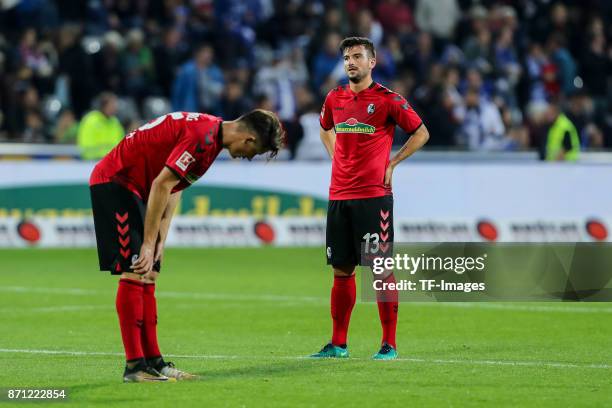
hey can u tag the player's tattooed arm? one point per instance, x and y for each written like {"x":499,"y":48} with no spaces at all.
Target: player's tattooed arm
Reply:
{"x":156,"y":205}
{"x":414,"y":143}
{"x":328,"y":137}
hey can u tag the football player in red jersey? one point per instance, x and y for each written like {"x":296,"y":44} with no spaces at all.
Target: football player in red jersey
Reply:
{"x":357,"y":125}
{"x":134,"y":192}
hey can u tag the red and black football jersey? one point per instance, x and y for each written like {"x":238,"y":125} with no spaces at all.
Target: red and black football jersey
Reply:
{"x":364,"y":123}
{"x":187,"y":143}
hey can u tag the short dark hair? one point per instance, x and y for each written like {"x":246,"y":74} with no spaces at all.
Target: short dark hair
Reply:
{"x":267,"y":128}
{"x":354,"y":41}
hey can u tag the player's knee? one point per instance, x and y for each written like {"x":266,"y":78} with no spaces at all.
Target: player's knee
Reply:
{"x":150,"y":277}
{"x":343,"y":270}
{"x":131,"y":275}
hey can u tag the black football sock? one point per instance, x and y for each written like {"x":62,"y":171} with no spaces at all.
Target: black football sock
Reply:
{"x":156,"y":362}
{"x":135,"y":365}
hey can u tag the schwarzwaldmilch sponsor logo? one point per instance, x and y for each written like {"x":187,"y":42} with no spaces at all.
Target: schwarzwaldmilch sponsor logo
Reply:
{"x":596,"y":229}
{"x":352,"y":125}
{"x":487,"y":230}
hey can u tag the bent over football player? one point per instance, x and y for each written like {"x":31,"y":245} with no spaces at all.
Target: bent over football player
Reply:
{"x":134,"y":192}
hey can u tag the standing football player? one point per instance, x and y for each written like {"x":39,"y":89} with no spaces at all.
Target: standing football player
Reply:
{"x":357,"y":125}
{"x":134,"y":192}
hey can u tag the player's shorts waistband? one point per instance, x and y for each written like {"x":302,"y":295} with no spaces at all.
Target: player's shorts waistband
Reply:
{"x":98,"y":177}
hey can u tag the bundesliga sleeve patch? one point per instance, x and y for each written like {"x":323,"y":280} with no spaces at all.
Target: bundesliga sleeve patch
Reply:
{"x":184,"y":161}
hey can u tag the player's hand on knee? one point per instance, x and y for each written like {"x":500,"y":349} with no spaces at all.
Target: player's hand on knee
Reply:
{"x":144,"y":263}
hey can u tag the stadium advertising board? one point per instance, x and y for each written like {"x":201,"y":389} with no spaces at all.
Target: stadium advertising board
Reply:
{"x":48,"y":204}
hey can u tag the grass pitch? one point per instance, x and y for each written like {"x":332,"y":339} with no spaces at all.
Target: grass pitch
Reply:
{"x":245,"y":318}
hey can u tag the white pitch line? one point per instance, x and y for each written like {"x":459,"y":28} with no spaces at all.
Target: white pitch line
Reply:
{"x":170,"y":294}
{"x":564,"y":308}
{"x":510,"y":363}
{"x":516,"y":307}
{"x":51,"y":291}
{"x":552,"y":364}
{"x":242,"y":297}
{"x":53,"y":309}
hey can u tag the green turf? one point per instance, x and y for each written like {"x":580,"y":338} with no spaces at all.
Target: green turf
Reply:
{"x":242,"y":318}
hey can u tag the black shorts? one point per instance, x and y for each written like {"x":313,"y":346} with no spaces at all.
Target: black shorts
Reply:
{"x":351,"y":223}
{"x":119,"y":222}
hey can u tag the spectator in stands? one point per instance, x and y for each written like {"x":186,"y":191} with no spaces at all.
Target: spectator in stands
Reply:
{"x":482,"y":127}
{"x":278,"y":81}
{"x":107,"y":63}
{"x":474,"y":80}
{"x":440,"y":112}
{"x":137,"y":67}
{"x":395,"y":16}
{"x":332,"y":22}
{"x":477,"y":50}
{"x":422,"y":57}
{"x":596,"y":68}
{"x":27,"y":120}
{"x":507,"y":65}
{"x":535,"y":122}
{"x":199,"y":84}
{"x":34,"y":131}
{"x":66,"y":128}
{"x":39,"y":58}
{"x":581,"y":111}
{"x":534,"y":65}
{"x":367,"y":26}
{"x":438,"y":17}
{"x":563,"y":141}
{"x":310,"y":146}
{"x":516,"y":132}
{"x":386,"y":68}
{"x":519,"y":54}
{"x":100,"y":130}
{"x":168,"y":56}
{"x":234,"y":101}
{"x":262,"y":101}
{"x":565,"y":64}
{"x":325,"y":62}
{"x":76,"y":66}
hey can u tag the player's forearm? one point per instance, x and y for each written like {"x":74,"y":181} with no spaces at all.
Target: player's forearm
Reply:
{"x":156,"y":205}
{"x":328,"y":137}
{"x":167,"y":216}
{"x":414,"y":143}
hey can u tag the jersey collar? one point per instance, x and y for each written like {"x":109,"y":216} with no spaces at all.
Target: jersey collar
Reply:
{"x":370,"y":87}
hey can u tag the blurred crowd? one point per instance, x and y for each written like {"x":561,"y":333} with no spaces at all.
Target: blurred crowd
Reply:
{"x":484,"y":75}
